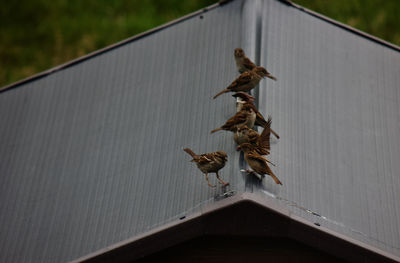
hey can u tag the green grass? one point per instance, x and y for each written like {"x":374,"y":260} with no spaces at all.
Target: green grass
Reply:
{"x":378,"y":18}
{"x":36,"y":35}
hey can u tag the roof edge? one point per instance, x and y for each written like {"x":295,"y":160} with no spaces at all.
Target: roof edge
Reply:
{"x":181,"y":19}
{"x":110,"y":47}
{"x":342,"y":25}
{"x":285,"y":224}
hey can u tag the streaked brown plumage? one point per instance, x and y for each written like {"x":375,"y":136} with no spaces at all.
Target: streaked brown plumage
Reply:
{"x":246,"y":81}
{"x":243,"y":63}
{"x":261,"y":142}
{"x":247,"y":116}
{"x":209,"y":163}
{"x":244,"y":134}
{"x":242,"y":99}
{"x":257,"y":162}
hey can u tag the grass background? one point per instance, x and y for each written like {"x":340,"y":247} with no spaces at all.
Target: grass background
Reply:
{"x":39,"y":34}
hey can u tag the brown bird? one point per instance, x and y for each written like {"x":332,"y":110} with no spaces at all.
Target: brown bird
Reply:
{"x":257,"y":162}
{"x":247,"y":116}
{"x":246,"y":81}
{"x":243,"y":98}
{"x":243,"y":63}
{"x":261,"y":142}
{"x":244,"y":134}
{"x":209,"y":163}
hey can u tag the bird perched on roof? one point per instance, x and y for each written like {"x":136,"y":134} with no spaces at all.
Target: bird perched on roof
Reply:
{"x":247,"y":116}
{"x":261,"y":142}
{"x":246,"y":81}
{"x":243,"y":98}
{"x":257,"y":162}
{"x":209,"y":163}
{"x":244,"y":64}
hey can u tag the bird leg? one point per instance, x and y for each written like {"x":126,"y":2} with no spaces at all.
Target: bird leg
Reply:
{"x":220,"y":180}
{"x":247,"y":171}
{"x":208,"y":181}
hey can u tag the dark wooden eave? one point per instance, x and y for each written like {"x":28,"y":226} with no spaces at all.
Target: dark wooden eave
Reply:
{"x":242,"y":215}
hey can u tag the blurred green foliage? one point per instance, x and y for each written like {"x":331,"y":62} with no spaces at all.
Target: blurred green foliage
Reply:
{"x":378,"y":18}
{"x":39,"y":34}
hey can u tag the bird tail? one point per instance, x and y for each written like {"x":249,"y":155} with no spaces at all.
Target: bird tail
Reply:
{"x":191,"y":153}
{"x":264,"y":124}
{"x":217,"y":129}
{"x":222,"y":92}
{"x":271,"y":162}
{"x":274,"y":133}
{"x":275,"y":179}
{"x":272,"y":77}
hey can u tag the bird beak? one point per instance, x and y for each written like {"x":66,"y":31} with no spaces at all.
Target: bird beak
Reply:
{"x":271,"y":77}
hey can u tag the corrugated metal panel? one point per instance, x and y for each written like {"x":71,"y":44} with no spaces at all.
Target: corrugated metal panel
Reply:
{"x":336,"y":105}
{"x":92,"y":154}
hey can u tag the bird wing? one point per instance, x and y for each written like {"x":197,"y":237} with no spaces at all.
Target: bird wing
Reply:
{"x":238,"y":118}
{"x":260,"y":121}
{"x":264,"y":139}
{"x":247,"y":63}
{"x":204,"y":158}
{"x":243,"y":79}
{"x":257,"y":163}
{"x":251,"y":105}
{"x":256,"y":157}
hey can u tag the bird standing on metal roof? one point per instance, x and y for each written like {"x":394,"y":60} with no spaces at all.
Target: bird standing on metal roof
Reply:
{"x":243,"y":98}
{"x":246,"y":81}
{"x":247,"y":116}
{"x":257,"y":162}
{"x":261,"y":142}
{"x":244,"y":64}
{"x":209,"y":163}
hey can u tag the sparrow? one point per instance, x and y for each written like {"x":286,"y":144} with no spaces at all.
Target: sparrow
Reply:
{"x":209,"y":163}
{"x":246,"y":81}
{"x":261,"y":142}
{"x":244,"y":134}
{"x":243,"y":98}
{"x":247,"y":116}
{"x":257,"y":162}
{"x":243,"y":63}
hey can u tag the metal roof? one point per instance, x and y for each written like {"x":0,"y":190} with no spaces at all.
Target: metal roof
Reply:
{"x":336,"y":105}
{"x":92,"y":150}
{"x":92,"y":154}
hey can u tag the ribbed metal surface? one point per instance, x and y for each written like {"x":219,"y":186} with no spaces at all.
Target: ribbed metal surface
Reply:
{"x":336,"y":106}
{"x":92,"y":154}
